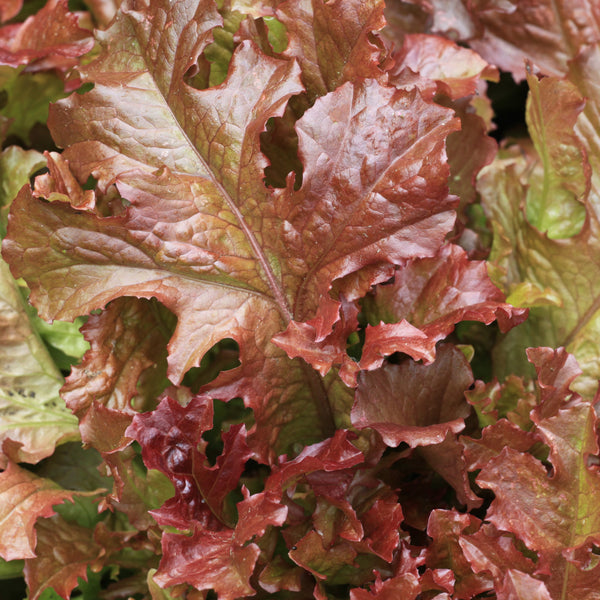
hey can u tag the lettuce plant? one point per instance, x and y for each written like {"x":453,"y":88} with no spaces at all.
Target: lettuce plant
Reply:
{"x":335,"y":341}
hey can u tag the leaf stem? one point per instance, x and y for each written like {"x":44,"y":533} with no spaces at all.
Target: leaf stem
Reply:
{"x":321,"y":397}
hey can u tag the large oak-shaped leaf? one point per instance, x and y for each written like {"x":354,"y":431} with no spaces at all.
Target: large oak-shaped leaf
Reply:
{"x":202,"y":234}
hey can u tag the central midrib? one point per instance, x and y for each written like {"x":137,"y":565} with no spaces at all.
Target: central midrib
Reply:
{"x":278,"y":294}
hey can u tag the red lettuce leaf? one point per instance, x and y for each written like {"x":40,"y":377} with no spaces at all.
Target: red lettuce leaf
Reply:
{"x":506,"y":34}
{"x":521,"y":586}
{"x":171,"y":441}
{"x":51,"y":38}
{"x":333,"y":454}
{"x":208,"y":559}
{"x":488,"y":551}
{"x":494,"y":438}
{"x":552,"y":511}
{"x":439,"y":65}
{"x":256,"y":513}
{"x":225,"y":265}
{"x":25,"y":498}
{"x":64,"y":553}
{"x":446,"y":528}
{"x":122,"y":372}
{"x":434,"y":294}
{"x":423,"y":304}
{"x":333,"y":43}
{"x":413,"y":403}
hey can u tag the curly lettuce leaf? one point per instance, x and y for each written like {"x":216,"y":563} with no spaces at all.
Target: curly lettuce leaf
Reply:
{"x":543,"y":210}
{"x":202,"y":234}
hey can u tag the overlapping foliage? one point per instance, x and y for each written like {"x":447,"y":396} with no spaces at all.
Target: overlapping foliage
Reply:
{"x":335,"y":342}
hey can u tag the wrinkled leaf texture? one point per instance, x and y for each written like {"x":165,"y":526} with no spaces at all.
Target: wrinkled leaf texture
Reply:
{"x":202,"y":234}
{"x":182,"y":217}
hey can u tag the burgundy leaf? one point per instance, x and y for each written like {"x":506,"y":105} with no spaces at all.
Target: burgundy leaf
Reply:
{"x":413,"y":403}
{"x":170,"y":437}
{"x":208,"y":559}
{"x":256,"y":512}
{"x":489,"y":551}
{"x":171,"y":440}
{"x":544,"y":510}
{"x":333,"y":42}
{"x":506,"y":34}
{"x":556,"y":371}
{"x":446,"y":528}
{"x":381,"y":525}
{"x":334,"y":454}
{"x":434,"y":294}
{"x":521,"y":586}
{"x":447,"y":459}
{"x":469,"y":150}
{"x":494,"y":438}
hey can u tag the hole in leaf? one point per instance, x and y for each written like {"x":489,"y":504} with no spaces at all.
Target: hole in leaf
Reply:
{"x":223,"y":356}
{"x":90,"y":183}
{"x":276,"y":34}
{"x":218,"y":54}
{"x":198,"y":75}
{"x":254,"y":476}
{"x":226,"y":414}
{"x":15,"y":588}
{"x":279,"y":143}
{"x":355,"y":343}
{"x":86,"y":87}
{"x":508,"y":101}
{"x":481,"y":338}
